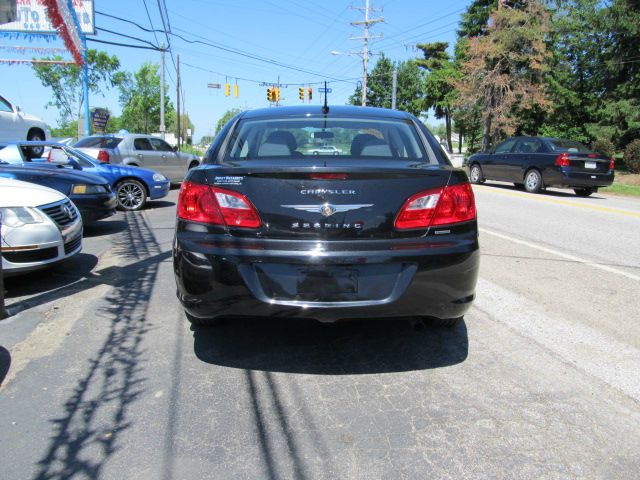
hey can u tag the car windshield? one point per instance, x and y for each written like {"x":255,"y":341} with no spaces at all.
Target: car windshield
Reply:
{"x":98,"y":142}
{"x":300,"y":137}
{"x":570,"y":146}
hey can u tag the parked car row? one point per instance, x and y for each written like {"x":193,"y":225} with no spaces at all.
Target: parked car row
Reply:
{"x":44,"y":202}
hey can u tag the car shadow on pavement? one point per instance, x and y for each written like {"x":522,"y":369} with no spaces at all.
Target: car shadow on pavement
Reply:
{"x":104,"y":227}
{"x":153,"y":204}
{"x":45,"y":285}
{"x":88,"y":430}
{"x":348,"y":347}
{"x":553,"y":192}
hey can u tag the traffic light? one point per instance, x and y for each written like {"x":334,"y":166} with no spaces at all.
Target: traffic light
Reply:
{"x":227,"y":89}
{"x":236,"y":90}
{"x":301,"y":93}
{"x":276,"y":94}
{"x":310,"y":93}
{"x":269,"y":95}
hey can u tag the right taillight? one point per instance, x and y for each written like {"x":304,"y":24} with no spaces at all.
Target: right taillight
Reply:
{"x":103,"y":156}
{"x":216,"y":206}
{"x":612,"y":164}
{"x":441,"y":206}
{"x":562,"y":160}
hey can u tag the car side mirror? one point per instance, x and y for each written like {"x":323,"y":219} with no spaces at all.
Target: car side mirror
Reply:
{"x":175,"y":149}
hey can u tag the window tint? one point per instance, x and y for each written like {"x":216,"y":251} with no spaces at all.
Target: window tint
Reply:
{"x":570,"y":146}
{"x":142,"y":144}
{"x":529,"y":145}
{"x":505,"y":147}
{"x":5,"y":107}
{"x":160,"y":145}
{"x":315,"y":136}
{"x":98,"y":142}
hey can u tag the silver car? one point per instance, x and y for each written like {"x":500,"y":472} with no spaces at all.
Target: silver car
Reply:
{"x":40,"y":226}
{"x":139,"y":150}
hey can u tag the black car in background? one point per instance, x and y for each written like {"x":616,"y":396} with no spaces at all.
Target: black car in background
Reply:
{"x":92,"y":194}
{"x":539,"y":162}
{"x":385,"y":228}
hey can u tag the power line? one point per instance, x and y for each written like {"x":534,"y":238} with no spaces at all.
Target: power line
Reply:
{"x":229,"y":49}
{"x":142,"y":47}
{"x":148,"y":16}
{"x":127,"y":36}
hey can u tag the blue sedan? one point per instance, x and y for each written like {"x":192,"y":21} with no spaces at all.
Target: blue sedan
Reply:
{"x":133,"y":186}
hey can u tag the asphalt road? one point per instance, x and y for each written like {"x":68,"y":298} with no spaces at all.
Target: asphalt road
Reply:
{"x":104,"y":378}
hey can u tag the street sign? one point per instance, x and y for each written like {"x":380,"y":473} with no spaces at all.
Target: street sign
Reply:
{"x":324,"y":90}
{"x":100,"y":117}
{"x":213,"y":85}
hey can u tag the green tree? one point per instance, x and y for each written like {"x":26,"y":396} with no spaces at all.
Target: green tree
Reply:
{"x":139,"y":98}
{"x":228,"y":115}
{"x":187,"y":128}
{"x":503,"y":72}
{"x":410,"y":91}
{"x":65,"y":82}
{"x":440,"y":91}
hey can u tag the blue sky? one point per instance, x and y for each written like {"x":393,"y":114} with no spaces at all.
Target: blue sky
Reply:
{"x":294,"y":33}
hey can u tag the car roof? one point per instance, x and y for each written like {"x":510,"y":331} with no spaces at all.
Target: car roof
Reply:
{"x":334,"y":110}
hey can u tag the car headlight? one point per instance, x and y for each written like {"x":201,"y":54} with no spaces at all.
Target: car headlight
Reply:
{"x":82,"y":188}
{"x":158,"y":177}
{"x":19,"y":216}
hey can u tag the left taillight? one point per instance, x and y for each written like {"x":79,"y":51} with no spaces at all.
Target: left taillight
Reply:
{"x":216,"y":206}
{"x":437,"y":207}
{"x":612,"y":164}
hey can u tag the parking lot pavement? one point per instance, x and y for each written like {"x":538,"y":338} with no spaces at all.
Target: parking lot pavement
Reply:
{"x":113,"y":382}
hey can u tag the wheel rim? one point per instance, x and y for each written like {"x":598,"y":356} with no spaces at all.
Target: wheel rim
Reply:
{"x":475,"y":173}
{"x":130,"y":196}
{"x":533,"y":180}
{"x":37,"y":151}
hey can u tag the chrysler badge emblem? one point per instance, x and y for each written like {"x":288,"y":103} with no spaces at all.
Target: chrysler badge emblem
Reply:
{"x":327,"y":210}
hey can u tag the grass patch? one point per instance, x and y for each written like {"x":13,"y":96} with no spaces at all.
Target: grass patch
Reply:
{"x":624,"y":184}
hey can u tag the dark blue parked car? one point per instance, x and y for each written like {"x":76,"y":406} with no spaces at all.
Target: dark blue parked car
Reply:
{"x":92,"y":194}
{"x":132,"y":185}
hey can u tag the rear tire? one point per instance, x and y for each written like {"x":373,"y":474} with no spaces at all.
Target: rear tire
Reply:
{"x":445,"y":322}
{"x":131,"y":195}
{"x":475,"y":174}
{"x":533,"y":181}
{"x":584,"y":192}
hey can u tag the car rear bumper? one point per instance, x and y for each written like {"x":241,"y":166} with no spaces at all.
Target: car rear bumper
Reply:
{"x":567,"y":177}
{"x":326,"y":281}
{"x":95,"y":207}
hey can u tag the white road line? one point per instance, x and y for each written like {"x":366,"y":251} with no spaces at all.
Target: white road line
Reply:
{"x":573,"y":258}
{"x":584,"y":347}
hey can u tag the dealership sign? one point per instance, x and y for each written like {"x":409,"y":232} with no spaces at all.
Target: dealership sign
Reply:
{"x":31,"y":17}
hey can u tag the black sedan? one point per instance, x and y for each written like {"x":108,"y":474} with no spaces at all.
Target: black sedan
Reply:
{"x":386,"y":228}
{"x":92,"y":194}
{"x":535,"y":163}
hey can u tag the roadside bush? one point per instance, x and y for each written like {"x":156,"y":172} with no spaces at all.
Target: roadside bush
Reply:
{"x":604,"y":147}
{"x":632,"y":156}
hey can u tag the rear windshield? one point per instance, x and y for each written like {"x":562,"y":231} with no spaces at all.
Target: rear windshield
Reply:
{"x":98,"y":142}
{"x":313,"y":137}
{"x":569,"y":146}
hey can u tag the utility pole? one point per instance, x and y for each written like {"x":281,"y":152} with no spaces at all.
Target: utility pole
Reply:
{"x":178,"y":92}
{"x":394,"y":88}
{"x":162,"y":125}
{"x":365,"y":52}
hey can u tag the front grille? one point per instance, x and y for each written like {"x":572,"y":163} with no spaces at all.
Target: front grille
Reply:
{"x":28,"y":256}
{"x":63,"y":213}
{"x":71,"y":245}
